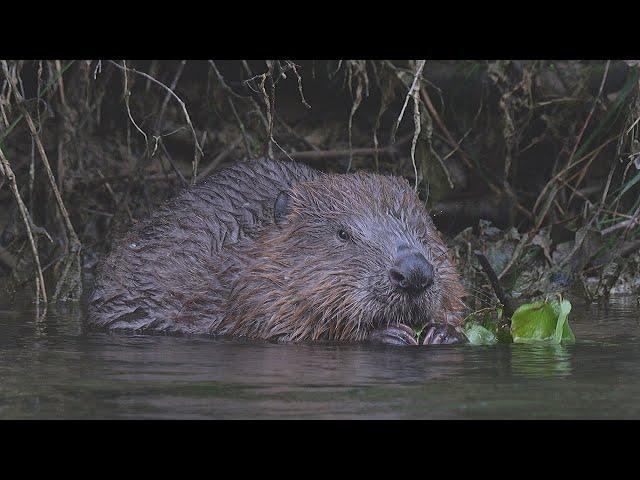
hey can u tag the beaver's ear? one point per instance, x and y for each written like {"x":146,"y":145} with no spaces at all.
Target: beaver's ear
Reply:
{"x":282,"y":206}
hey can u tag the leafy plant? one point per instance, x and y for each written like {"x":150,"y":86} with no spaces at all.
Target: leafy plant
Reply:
{"x":479,"y":335}
{"x":540,"y":321}
{"x":486,"y":327}
{"x":544,"y":320}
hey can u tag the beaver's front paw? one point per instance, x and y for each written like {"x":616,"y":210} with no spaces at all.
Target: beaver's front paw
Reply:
{"x":396,"y":335}
{"x":442,"y":334}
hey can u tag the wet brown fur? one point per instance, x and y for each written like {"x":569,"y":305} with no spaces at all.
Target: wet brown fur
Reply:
{"x":214,"y":260}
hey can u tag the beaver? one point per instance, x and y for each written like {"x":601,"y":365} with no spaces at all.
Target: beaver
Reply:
{"x":277,"y":250}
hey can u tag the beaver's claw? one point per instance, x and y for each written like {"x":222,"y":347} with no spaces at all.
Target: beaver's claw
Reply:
{"x":442,"y":334}
{"x":396,"y":335}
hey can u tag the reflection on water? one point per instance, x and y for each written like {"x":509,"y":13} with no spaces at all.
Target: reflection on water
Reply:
{"x":541,"y":361}
{"x":55,"y":369}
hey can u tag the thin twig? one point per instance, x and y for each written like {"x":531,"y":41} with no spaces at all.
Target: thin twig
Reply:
{"x":216,"y":161}
{"x":588,"y":119}
{"x":627,"y":224}
{"x":197,"y":149}
{"x":5,"y":169}
{"x":416,"y":134}
{"x":165,"y":102}
{"x":495,"y":283}
{"x":73,"y":237}
{"x":75,"y":242}
{"x":414,"y":85}
{"x":247,"y":144}
{"x":324,"y":154}
{"x":450,"y":140}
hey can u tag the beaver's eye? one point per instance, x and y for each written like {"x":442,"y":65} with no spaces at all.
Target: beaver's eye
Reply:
{"x":343,"y":234}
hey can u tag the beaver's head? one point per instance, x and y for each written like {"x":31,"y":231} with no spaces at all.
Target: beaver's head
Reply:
{"x":347,"y":254}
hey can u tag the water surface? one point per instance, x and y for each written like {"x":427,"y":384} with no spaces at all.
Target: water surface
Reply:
{"x":55,"y":369}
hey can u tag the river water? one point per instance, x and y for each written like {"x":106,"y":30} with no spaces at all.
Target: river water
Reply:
{"x":54,"y":368}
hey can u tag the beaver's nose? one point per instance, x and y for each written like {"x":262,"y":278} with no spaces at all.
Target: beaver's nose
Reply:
{"x":411,"y":272}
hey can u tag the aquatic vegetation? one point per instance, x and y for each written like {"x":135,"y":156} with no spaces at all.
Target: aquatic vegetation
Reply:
{"x":539,"y":321}
{"x":542,"y":321}
{"x":479,"y":335}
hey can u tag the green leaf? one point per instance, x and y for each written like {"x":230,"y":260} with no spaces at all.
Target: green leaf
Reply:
{"x":532,"y":322}
{"x":542,"y":321}
{"x":478,"y":335}
{"x":630,"y":183}
{"x":563,"y":330}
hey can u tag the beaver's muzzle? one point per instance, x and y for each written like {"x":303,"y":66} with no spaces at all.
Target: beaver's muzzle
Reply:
{"x":411,"y":273}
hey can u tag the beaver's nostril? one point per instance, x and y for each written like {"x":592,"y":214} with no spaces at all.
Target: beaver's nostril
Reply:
{"x":397,"y":278}
{"x":411,"y":273}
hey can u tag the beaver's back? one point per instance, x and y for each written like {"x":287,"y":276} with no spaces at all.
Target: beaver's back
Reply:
{"x":165,"y":273}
